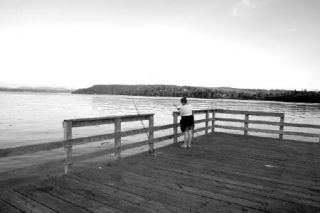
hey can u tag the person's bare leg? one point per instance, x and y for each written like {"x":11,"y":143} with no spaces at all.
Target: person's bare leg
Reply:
{"x":186,"y":138}
{"x":189,"y":138}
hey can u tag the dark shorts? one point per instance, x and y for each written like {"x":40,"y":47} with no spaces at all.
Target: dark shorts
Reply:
{"x":186,"y":123}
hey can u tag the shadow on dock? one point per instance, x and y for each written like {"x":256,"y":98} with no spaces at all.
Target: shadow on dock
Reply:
{"x":221,"y":173}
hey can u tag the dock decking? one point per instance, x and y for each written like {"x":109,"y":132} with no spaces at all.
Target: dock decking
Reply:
{"x":221,"y":173}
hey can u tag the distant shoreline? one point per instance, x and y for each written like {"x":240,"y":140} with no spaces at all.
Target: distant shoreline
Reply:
{"x":295,"y":96}
{"x":172,"y":91}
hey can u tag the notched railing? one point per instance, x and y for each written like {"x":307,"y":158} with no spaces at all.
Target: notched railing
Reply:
{"x":211,"y":117}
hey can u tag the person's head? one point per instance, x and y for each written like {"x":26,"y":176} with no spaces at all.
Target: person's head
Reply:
{"x":184,"y":101}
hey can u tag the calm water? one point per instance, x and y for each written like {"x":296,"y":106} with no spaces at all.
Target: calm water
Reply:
{"x":29,"y":118}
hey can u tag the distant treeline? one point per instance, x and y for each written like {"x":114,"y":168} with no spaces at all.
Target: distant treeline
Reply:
{"x":204,"y":92}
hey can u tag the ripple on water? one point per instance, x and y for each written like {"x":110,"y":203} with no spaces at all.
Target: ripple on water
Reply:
{"x":30,"y":118}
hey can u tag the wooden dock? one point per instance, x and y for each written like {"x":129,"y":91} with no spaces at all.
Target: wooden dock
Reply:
{"x":221,"y":173}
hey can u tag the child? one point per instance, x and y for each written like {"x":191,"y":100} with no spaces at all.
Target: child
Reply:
{"x":186,"y":122}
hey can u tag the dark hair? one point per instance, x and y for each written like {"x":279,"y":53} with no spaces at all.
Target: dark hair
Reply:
{"x":184,"y":100}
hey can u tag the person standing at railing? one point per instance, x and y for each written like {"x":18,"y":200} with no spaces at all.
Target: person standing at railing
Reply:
{"x":186,"y":122}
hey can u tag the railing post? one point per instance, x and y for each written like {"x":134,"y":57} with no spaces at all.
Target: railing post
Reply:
{"x":281,"y":127}
{"x":207,"y":122}
{"x":175,"y":127}
{"x":117,"y":138}
{"x":246,"y":124}
{"x":213,"y":119}
{"x":151,"y":134}
{"x":67,"y":126}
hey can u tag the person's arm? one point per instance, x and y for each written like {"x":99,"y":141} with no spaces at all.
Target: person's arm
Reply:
{"x":176,"y":106}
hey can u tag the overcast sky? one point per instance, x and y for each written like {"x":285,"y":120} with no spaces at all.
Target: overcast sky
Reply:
{"x":268,"y":44}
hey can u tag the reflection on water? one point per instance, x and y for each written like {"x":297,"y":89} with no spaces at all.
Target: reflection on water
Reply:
{"x":28,"y":118}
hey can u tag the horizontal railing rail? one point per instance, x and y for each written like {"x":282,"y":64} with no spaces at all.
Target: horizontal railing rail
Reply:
{"x":281,"y":124}
{"x":210,"y":122}
{"x":255,"y":113}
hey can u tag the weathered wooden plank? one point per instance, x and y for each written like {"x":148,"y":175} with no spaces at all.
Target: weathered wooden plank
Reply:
{"x":49,"y":201}
{"x":302,"y":125}
{"x":24,"y":203}
{"x":30,"y":148}
{"x":240,"y":165}
{"x":172,"y":176}
{"x":267,"y":131}
{"x":59,"y":144}
{"x":221,"y":172}
{"x":101,"y":137}
{"x":170,"y":161}
{"x":168,"y":178}
{"x":274,"y":180}
{"x":229,"y":127}
{"x":246,"y":124}
{"x":255,"y":113}
{"x":151,"y":135}
{"x":89,"y":139}
{"x":168,"y":200}
{"x":207,"y":122}
{"x":249,"y":121}
{"x":195,"y":112}
{"x":231,"y":157}
{"x":229,"y":119}
{"x":264,"y":130}
{"x":67,"y":126}
{"x":166,"y":137}
{"x":301,"y":134}
{"x":117,"y":138}
{"x":201,"y":121}
{"x":140,"y":201}
{"x":274,"y":123}
{"x":213,"y":120}
{"x":254,"y":158}
{"x":162,"y":193}
{"x":281,"y":127}
{"x":174,"y":184}
{"x":175,"y":127}
{"x":6,"y":208}
{"x":132,"y":132}
{"x":163,"y":127}
{"x":92,"y":122}
{"x":201,"y":129}
{"x":302,"y":198}
{"x":71,"y":195}
{"x":100,"y":193}
{"x":201,"y":111}
{"x":290,"y":207}
{"x":107,"y":120}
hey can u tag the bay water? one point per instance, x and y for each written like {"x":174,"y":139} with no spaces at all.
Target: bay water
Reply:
{"x":31,"y":118}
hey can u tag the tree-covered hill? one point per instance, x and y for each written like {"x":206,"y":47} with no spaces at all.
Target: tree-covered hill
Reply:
{"x":203,"y":92}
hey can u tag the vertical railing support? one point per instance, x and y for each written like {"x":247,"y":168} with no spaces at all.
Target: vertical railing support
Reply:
{"x":207,"y":122}
{"x":67,"y":126}
{"x":117,"y":138}
{"x":151,"y":134}
{"x":175,"y":127}
{"x":246,"y":124}
{"x":213,"y":120}
{"x":281,"y":127}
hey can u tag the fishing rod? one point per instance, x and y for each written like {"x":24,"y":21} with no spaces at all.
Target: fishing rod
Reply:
{"x":137,"y":110}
